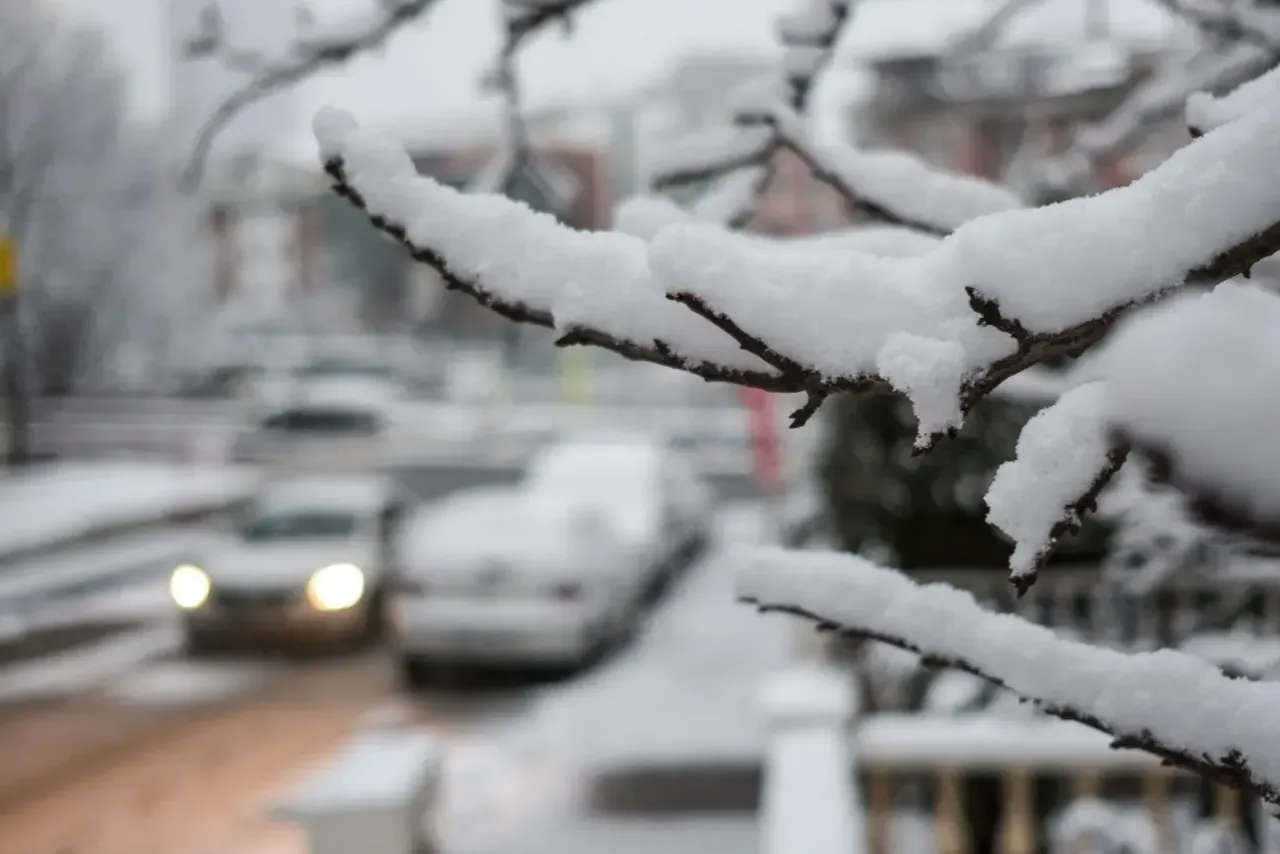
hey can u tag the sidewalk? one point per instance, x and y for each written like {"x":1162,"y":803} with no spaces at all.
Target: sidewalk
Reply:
{"x":67,"y":501}
{"x":686,"y":694}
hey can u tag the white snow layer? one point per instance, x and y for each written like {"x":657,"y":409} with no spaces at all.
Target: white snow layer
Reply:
{"x":1196,"y":378}
{"x":598,"y":279}
{"x":906,"y":319}
{"x":1060,"y":452}
{"x":1206,"y":112}
{"x":911,"y":188}
{"x":1182,"y":701}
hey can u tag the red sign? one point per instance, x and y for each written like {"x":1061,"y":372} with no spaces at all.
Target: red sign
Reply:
{"x":765,"y":441}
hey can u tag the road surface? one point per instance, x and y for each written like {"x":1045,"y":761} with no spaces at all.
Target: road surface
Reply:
{"x":184,"y":757}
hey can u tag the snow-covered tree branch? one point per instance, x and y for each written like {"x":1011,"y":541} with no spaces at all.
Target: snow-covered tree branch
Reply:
{"x":1004,"y":292}
{"x":976,"y":289}
{"x":1181,"y":709}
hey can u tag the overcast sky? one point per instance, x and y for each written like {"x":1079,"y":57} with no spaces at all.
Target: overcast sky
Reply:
{"x":428,"y":74}
{"x":430,"y":68}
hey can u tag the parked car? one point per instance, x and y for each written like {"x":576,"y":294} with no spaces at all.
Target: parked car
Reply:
{"x":490,"y":577}
{"x":310,"y":559}
{"x":553,"y":570}
{"x":657,"y":500}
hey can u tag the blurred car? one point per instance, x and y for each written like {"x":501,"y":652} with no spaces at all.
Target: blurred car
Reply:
{"x":658,"y":502}
{"x":490,"y":577}
{"x":324,"y":414}
{"x":554,"y":570}
{"x":310,"y":560}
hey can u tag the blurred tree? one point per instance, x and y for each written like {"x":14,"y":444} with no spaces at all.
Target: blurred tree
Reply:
{"x":924,"y":511}
{"x":111,"y":257}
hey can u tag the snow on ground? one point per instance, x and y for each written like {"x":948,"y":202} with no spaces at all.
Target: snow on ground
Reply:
{"x":71,"y":672}
{"x":492,"y":793}
{"x":64,"y":500}
{"x":686,"y":690}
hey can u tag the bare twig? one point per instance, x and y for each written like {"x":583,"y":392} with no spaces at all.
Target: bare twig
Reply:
{"x":799,"y":89}
{"x":269,"y":76}
{"x":523,"y":19}
{"x":1222,"y":21}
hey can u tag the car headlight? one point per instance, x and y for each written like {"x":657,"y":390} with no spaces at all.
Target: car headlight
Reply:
{"x":336,"y":587}
{"x":189,"y":586}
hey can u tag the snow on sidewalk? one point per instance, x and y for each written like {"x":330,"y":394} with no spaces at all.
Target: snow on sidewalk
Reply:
{"x":688,"y":690}
{"x":64,"y":500}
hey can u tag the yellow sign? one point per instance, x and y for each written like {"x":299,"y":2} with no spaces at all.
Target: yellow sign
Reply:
{"x":8,"y":267}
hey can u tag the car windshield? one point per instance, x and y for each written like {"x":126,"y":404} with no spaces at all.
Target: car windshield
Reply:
{"x":267,"y":527}
{"x":321,"y":421}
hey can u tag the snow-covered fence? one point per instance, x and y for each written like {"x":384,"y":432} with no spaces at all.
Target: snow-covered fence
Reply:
{"x":375,"y":796}
{"x":62,"y":505}
{"x":810,"y":804}
{"x":939,"y":784}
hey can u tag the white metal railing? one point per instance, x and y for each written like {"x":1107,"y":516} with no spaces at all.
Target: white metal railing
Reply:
{"x":924,"y":776}
{"x":810,"y":804}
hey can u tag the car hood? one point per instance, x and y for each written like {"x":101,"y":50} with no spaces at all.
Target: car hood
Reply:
{"x":282,"y":565}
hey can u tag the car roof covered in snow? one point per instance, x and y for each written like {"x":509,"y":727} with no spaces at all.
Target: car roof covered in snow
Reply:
{"x":464,"y":514}
{"x":487,"y":514}
{"x":359,"y":493}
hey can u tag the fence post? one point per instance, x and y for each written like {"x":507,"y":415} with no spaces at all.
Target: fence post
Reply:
{"x":810,"y":802}
{"x":374,"y":797}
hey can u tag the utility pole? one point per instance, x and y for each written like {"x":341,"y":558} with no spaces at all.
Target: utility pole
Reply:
{"x":18,"y":450}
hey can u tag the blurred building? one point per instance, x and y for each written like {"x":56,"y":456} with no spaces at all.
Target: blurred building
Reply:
{"x":991,"y":82}
{"x":265,"y":224}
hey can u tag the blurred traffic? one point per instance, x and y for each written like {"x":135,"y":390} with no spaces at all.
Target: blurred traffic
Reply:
{"x":349,"y":527}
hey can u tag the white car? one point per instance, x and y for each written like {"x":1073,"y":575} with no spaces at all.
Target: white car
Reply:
{"x":310,"y":560}
{"x":659,"y":504}
{"x":323,"y":415}
{"x":490,"y":577}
